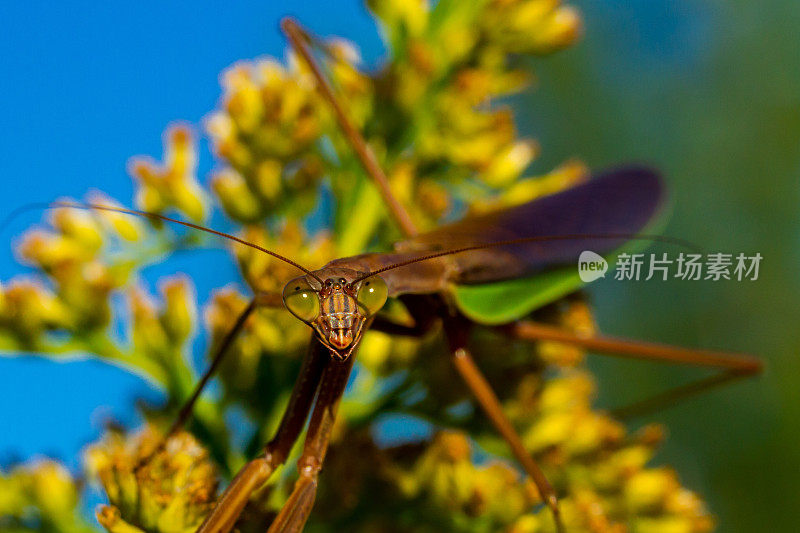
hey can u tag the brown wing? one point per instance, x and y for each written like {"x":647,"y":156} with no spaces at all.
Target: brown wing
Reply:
{"x":620,"y":201}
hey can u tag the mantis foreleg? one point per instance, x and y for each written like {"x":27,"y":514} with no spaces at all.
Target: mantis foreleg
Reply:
{"x":257,"y":471}
{"x":298,"y":39}
{"x":296,"y":510}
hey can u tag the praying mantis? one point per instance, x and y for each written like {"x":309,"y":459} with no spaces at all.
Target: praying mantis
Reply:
{"x":342,"y":300}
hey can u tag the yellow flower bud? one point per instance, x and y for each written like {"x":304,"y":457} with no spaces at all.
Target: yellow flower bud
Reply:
{"x":174,"y":183}
{"x":563,"y":28}
{"x":53,"y":488}
{"x":148,"y":334}
{"x":409,"y":16}
{"x":548,"y":430}
{"x":510,"y":162}
{"x":648,"y":490}
{"x":126,"y":226}
{"x":77,"y":224}
{"x":179,"y":313}
{"x":569,"y":392}
{"x":235,"y":196}
{"x":593,"y":432}
{"x":109,"y":517}
{"x":40,"y":495}
{"x":665,"y":524}
{"x":243,"y":99}
{"x":268,"y":179}
{"x":148,"y":198}
{"x":50,"y":251}
{"x":30,"y":310}
{"x":528,"y":523}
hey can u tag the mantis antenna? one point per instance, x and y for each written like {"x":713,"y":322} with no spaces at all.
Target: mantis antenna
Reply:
{"x":147,"y":214}
{"x":541,"y":238}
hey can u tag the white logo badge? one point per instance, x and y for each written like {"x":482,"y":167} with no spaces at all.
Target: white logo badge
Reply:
{"x":591,"y":266}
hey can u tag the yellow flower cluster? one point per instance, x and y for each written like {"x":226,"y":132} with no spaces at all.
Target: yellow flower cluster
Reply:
{"x":42,"y":494}
{"x":173,"y":184}
{"x":451,"y":63}
{"x":80,"y":279}
{"x":447,"y":474}
{"x":83,"y":257}
{"x":531,"y":26}
{"x":267,"y":335}
{"x":263,"y":272}
{"x":160,"y":334}
{"x":589,"y":456}
{"x":573,"y":314}
{"x":171,"y":492}
{"x":265,"y":132}
{"x":27,"y":312}
{"x":434,"y":131}
{"x":600,"y":471}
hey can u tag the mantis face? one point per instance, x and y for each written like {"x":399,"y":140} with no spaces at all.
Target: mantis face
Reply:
{"x":337,"y":308}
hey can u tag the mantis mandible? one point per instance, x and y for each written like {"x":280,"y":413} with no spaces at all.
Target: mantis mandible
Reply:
{"x":342,"y":300}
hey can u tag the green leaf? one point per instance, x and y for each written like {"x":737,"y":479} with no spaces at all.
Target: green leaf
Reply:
{"x":502,"y":302}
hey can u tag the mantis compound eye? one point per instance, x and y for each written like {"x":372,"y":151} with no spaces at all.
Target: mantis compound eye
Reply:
{"x":372,"y":294}
{"x":301,"y":300}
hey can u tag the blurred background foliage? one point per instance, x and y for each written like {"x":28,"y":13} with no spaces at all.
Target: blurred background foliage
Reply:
{"x":707,"y":92}
{"x":722,"y":124}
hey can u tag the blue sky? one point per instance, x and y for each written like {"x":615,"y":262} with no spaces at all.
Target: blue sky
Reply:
{"x":85,"y":86}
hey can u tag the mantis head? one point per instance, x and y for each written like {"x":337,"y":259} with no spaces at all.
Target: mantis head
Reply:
{"x":336,"y":305}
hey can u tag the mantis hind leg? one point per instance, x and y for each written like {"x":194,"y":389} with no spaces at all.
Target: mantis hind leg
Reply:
{"x":732,"y":366}
{"x":456,"y":332}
